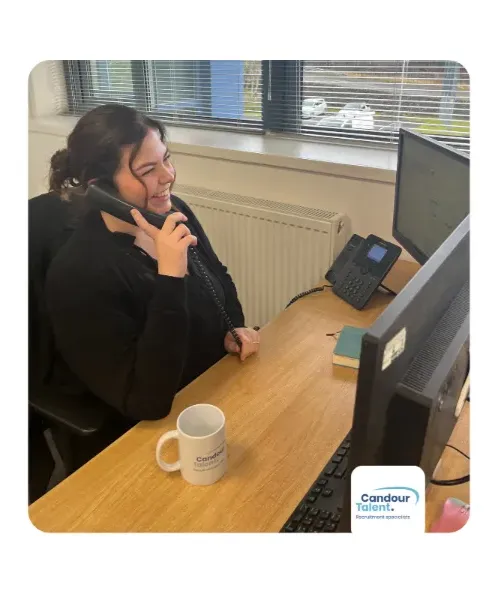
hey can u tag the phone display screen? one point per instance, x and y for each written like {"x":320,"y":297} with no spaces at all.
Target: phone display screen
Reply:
{"x":377,"y":253}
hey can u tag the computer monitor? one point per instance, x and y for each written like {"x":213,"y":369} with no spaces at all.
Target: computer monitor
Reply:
{"x":432,"y":193}
{"x":413,"y":365}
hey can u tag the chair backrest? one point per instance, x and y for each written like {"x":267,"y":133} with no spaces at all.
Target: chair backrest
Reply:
{"x":49,"y":226}
{"x":65,"y":401}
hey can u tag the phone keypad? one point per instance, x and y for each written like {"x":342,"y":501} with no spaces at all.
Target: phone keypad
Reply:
{"x":356,"y":287}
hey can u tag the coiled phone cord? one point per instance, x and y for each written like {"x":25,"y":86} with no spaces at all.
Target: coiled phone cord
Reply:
{"x":206,"y":279}
{"x":311,"y":291}
{"x":320,"y":289}
{"x":106,"y":198}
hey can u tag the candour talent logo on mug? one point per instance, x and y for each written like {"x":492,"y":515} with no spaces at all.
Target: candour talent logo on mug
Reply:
{"x":204,"y":463}
{"x":201,"y":435}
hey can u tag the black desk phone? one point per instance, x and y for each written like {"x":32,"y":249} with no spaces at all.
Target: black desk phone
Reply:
{"x":361,"y":267}
{"x":105,"y":197}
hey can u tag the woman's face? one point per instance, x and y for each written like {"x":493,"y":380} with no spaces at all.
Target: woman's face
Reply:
{"x":153,"y":167}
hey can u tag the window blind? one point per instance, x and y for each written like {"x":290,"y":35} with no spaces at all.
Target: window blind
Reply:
{"x":212,"y":93}
{"x":363,"y":102}
{"x":368,"y":101}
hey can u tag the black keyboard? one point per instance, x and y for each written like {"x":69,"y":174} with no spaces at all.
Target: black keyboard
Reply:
{"x":320,"y":509}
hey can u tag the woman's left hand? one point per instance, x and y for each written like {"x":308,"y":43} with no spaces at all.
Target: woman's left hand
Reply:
{"x":250,"y":340}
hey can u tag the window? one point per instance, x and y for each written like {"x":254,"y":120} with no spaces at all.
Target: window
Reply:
{"x":214,"y":93}
{"x":111,"y":78}
{"x":371,"y":100}
{"x":364,"y":102}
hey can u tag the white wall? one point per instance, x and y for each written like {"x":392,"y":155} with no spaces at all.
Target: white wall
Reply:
{"x":41,"y":146}
{"x":365,"y":194}
{"x":369,"y":204}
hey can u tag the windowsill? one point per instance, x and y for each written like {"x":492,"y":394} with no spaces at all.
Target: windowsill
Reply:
{"x":338,"y":159}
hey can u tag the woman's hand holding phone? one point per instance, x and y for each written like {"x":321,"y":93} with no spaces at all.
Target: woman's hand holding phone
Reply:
{"x":171,"y":241}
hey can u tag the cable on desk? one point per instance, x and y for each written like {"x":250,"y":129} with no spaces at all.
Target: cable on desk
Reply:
{"x":387,"y":289}
{"x":459,"y":451}
{"x":311,"y":291}
{"x":449,"y":482}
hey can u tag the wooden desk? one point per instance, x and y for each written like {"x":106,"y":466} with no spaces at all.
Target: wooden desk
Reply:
{"x":287,"y":409}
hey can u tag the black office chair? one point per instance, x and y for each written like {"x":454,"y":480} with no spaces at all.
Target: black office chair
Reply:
{"x":74,"y":426}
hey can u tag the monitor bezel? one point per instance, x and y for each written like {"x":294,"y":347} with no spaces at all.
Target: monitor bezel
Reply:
{"x":405,"y":242}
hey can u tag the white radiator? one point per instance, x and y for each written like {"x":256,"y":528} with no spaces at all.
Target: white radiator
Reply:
{"x":272,"y":250}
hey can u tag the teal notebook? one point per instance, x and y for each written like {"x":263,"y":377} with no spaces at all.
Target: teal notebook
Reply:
{"x":348,"y":347}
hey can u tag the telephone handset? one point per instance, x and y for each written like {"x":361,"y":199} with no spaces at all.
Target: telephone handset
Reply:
{"x":106,"y":198}
{"x":361,"y":267}
{"x":345,"y":255}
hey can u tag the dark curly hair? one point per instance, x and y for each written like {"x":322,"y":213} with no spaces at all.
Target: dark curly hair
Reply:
{"x":94,"y":146}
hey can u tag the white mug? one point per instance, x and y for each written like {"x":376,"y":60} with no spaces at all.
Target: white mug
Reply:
{"x":201,"y":434}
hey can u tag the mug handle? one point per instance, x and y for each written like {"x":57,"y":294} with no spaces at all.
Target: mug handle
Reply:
{"x":161,"y":463}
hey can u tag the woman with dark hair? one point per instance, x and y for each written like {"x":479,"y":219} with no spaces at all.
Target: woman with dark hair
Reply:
{"x":131,"y":321}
